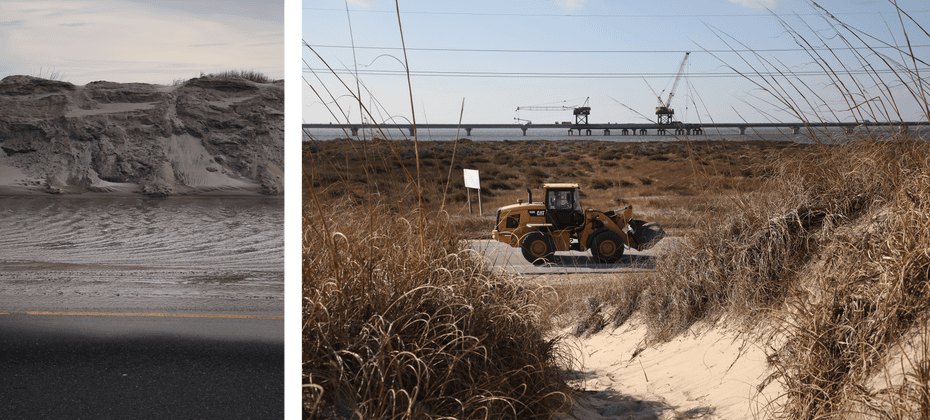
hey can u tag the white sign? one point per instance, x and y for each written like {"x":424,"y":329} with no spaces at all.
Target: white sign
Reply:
{"x":471,"y":179}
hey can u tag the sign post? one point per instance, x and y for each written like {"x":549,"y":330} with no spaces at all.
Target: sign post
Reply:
{"x":472,"y":181}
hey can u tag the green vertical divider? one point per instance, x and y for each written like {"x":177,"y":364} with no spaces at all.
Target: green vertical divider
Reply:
{"x":292,"y":407}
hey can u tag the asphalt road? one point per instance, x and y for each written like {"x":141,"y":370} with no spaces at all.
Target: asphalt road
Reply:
{"x":141,"y":365}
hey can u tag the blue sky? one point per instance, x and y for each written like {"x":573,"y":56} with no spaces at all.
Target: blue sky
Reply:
{"x":500,"y":55}
{"x":155,"y":41}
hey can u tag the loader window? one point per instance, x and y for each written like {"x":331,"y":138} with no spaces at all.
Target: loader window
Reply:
{"x":562,"y":200}
{"x":563,"y":209}
{"x":513,"y":222}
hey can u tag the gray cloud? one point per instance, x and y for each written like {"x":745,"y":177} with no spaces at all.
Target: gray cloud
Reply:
{"x":154,"y":41}
{"x":264,"y":10}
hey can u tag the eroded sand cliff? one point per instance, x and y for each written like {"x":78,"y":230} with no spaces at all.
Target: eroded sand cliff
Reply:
{"x":208,"y":135}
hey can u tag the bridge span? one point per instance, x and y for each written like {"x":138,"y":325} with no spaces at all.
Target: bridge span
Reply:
{"x":641,"y":129}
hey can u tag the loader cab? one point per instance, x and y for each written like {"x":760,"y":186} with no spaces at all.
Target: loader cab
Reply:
{"x":563,"y":206}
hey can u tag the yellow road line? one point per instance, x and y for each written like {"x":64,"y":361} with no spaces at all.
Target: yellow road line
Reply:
{"x":161,"y":315}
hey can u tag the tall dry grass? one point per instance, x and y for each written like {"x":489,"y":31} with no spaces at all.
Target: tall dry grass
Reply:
{"x":864,"y":290}
{"x":400,"y":321}
{"x":51,"y":74}
{"x":250,"y":75}
{"x":849,"y":256}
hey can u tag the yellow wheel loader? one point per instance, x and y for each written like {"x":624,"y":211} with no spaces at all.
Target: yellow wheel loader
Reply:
{"x":559,"y":224}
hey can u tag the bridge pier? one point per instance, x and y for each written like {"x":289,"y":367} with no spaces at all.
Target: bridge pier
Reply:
{"x":524,"y":131}
{"x":468,"y":131}
{"x":848,"y":130}
{"x":606,"y":131}
{"x":354,"y":131}
{"x":698,"y":131}
{"x":742,"y":131}
{"x":643,"y":132}
{"x":412,"y":131}
{"x":625,"y":132}
{"x":587,"y":132}
{"x":570,"y":132}
{"x":796,"y":130}
{"x":679,"y":131}
{"x":660,"y":132}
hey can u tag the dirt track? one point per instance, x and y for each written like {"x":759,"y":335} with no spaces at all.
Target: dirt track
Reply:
{"x":509,"y":259}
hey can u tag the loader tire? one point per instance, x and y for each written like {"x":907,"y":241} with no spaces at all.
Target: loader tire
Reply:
{"x":538,"y":248}
{"x":607,"y":247}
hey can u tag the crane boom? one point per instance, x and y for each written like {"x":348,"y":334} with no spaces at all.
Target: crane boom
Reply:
{"x":681,"y":70}
{"x":544,"y":108}
{"x":665,"y":114}
{"x":581,"y":112}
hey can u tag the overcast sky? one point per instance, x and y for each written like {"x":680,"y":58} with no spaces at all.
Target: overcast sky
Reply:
{"x":154,"y":41}
{"x":500,"y":55}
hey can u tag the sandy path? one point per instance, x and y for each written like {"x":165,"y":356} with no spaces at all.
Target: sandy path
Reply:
{"x":709,"y":372}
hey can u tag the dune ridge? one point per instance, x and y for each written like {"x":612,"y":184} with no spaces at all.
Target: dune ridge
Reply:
{"x":208,"y":135}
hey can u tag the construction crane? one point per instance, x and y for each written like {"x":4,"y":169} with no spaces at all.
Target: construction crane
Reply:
{"x":581,"y":112}
{"x":665,"y":114}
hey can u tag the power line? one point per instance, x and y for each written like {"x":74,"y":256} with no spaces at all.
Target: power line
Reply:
{"x":566,"y":15}
{"x":489,"y":50}
{"x":605,"y":75}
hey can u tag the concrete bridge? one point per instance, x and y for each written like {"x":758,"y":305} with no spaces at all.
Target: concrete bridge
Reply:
{"x":625,"y":129}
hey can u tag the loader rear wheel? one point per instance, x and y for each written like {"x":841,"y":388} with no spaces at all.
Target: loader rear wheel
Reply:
{"x":537,"y":248}
{"x":607,"y":247}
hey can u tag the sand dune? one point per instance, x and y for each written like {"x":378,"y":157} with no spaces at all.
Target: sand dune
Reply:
{"x":708,"y":373}
{"x":208,"y":135}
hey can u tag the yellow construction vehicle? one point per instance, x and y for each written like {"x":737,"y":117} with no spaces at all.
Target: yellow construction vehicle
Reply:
{"x":559,"y":224}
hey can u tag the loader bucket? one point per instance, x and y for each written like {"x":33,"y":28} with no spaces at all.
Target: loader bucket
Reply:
{"x":646,"y":234}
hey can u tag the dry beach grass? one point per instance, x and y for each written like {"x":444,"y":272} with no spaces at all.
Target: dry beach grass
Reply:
{"x":401,"y":322}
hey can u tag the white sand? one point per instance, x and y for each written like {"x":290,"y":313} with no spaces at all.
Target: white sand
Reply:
{"x":707,"y":373}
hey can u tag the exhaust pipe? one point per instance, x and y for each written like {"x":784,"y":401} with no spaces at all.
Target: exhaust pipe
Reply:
{"x":529,"y":196}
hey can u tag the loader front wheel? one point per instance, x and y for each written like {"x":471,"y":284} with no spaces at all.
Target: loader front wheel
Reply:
{"x":607,"y":248}
{"x":537,"y":248}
